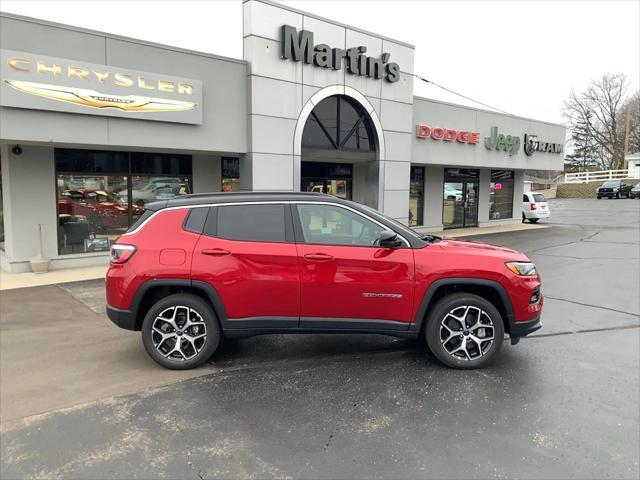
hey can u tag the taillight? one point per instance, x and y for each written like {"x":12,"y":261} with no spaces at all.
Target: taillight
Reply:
{"x":534,"y":206}
{"x":121,"y":253}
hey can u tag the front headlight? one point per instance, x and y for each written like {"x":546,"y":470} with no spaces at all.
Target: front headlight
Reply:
{"x":525,"y":269}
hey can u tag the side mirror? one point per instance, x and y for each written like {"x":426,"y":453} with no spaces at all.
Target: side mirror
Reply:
{"x":389,"y":239}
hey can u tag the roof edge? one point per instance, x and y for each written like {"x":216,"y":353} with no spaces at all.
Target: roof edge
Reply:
{"x":99,"y":33}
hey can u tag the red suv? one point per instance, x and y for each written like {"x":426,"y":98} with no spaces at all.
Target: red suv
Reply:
{"x":199,"y":268}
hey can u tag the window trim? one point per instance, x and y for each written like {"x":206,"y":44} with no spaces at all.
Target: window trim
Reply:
{"x":289,"y":202}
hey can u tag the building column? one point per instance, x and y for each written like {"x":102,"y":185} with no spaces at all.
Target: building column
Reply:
{"x":518,"y":191}
{"x":433,"y":189}
{"x":484,"y":196}
{"x":29,"y":199}
{"x":207,"y":173}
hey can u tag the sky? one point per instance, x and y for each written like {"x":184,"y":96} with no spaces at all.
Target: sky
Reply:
{"x":523,"y":57}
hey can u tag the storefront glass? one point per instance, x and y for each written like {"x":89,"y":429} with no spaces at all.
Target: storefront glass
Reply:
{"x":460,"y":198}
{"x":416,"y":197}
{"x":101,"y":193}
{"x":501,"y":195}
{"x":230,"y":174}
{"x":331,"y":178}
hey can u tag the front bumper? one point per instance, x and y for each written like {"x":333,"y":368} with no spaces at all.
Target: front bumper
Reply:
{"x":122,"y":318}
{"x":521,"y":329}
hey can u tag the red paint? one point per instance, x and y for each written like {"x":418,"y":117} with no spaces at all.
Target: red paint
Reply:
{"x":255,"y":279}
{"x":334,"y":278}
{"x":447,"y":134}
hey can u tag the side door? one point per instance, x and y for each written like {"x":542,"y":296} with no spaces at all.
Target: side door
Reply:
{"x":248,"y":255}
{"x":346,"y":280}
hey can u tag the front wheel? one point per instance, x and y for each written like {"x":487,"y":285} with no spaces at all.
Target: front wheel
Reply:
{"x":464,"y":331}
{"x":180,"y":332}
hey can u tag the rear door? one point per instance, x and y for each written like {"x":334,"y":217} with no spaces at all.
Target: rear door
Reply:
{"x":248,"y":255}
{"x":346,"y":280}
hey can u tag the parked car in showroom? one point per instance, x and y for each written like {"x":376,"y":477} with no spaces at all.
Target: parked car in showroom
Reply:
{"x":102,"y":210}
{"x":534,"y":207}
{"x":613,"y":189}
{"x":635,"y":191}
{"x":200,"y":268}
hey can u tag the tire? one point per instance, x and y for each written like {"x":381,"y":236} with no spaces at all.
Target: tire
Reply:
{"x":599,"y":197}
{"x":192,"y":352}
{"x":534,"y":220}
{"x":523,"y":217}
{"x":471,"y":357}
{"x":618,"y":195}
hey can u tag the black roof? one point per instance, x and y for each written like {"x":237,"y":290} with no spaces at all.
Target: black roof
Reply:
{"x":232,"y":197}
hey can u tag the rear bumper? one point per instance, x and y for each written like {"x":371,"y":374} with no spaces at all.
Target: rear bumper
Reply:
{"x":122,"y":318}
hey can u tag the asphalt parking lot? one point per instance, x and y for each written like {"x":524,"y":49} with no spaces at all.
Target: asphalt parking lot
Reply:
{"x":80,"y":399}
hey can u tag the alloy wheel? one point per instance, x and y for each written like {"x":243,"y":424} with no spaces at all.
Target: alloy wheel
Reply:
{"x":467,"y":332}
{"x":179,"y":333}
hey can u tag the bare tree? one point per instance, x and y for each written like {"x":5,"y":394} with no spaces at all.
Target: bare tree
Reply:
{"x":597,"y":120}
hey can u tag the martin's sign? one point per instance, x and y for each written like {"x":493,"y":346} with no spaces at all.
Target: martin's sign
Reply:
{"x":299,"y":47}
{"x":532,"y":145}
{"x":47,"y":83}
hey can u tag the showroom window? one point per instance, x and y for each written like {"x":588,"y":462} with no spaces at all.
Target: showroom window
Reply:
{"x":501,"y":195}
{"x":416,"y":197}
{"x":230,"y":174}
{"x":101,"y":193}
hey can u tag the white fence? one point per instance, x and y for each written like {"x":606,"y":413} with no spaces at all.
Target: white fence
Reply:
{"x":585,"y":177}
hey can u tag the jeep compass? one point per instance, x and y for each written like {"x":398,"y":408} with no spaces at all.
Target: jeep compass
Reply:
{"x":197,"y":269}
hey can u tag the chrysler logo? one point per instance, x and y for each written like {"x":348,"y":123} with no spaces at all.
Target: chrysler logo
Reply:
{"x":93,"y":99}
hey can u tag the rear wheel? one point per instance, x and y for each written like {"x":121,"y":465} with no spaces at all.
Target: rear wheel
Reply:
{"x":599,"y":197}
{"x":181,"y":331}
{"x":464,"y":331}
{"x":534,"y":220}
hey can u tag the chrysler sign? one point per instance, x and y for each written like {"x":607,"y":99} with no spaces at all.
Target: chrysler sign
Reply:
{"x":40,"y":82}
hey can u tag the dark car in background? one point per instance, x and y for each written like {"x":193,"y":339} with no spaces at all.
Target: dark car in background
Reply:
{"x":635,"y":191}
{"x":613,"y":189}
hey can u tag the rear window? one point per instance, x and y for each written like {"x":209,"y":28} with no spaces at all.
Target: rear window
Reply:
{"x":539,"y":198}
{"x":255,"y":223}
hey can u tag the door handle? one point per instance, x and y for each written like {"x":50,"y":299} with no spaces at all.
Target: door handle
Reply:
{"x":318,"y":257}
{"x":215,"y":252}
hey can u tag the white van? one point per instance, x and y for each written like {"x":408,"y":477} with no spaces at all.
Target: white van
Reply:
{"x":534,"y":207}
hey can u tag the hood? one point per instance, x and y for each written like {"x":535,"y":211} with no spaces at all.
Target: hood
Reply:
{"x":473,"y":247}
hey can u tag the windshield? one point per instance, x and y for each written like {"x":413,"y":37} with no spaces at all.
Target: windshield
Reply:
{"x":539,"y":198}
{"x":610,"y":184}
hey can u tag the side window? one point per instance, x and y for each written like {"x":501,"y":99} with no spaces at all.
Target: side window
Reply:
{"x":330,"y":225}
{"x":256,"y":223}
{"x":525,"y":198}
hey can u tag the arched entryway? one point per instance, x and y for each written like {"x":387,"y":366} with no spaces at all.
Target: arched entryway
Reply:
{"x":338,"y":146}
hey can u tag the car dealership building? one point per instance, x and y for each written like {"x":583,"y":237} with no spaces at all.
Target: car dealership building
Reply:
{"x":93,"y":126}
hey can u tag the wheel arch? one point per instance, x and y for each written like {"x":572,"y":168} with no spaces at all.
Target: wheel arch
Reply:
{"x":490,"y":290}
{"x":153,"y":290}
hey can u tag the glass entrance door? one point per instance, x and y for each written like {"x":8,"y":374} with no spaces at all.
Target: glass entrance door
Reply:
{"x":331,"y":178}
{"x":460,"y":198}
